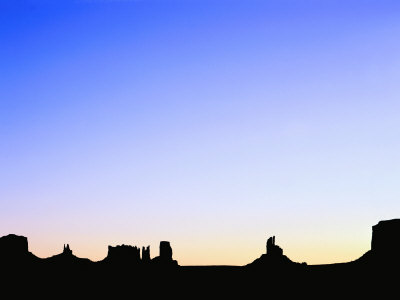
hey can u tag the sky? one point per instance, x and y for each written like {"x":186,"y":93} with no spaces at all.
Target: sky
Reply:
{"x":209,"y":124}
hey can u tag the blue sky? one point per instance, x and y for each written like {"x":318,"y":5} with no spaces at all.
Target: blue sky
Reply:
{"x":212,"y":124}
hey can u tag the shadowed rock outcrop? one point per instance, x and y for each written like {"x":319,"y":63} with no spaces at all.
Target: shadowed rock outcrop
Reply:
{"x":67,"y":250}
{"x":123,"y":254}
{"x":146,"y":254}
{"x":273,"y":249}
{"x":386,"y":238}
{"x":273,"y":258}
{"x":165,"y":250}
{"x":165,"y":257}
{"x":66,"y":259}
{"x":14,"y":251}
{"x":13,"y":246}
{"x":385,"y":246}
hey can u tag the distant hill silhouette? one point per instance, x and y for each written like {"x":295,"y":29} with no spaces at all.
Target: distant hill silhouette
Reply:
{"x":274,"y":258}
{"x":66,"y":259}
{"x":128,"y":268}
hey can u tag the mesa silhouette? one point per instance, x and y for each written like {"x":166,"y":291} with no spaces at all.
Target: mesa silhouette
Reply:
{"x":132,"y":267}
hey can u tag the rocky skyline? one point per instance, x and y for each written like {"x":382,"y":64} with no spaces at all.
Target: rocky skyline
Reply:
{"x":124,"y":272}
{"x":385,"y":246}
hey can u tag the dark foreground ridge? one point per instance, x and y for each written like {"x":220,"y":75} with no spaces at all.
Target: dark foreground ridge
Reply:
{"x":129,"y":268}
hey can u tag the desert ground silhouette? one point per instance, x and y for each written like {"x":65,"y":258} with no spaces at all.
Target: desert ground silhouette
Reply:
{"x":129,"y":269}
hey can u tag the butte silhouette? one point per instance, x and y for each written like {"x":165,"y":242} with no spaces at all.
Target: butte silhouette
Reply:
{"x":129,"y":269}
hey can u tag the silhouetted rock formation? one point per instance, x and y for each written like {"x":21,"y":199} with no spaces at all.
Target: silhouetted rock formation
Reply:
{"x":146,"y":254}
{"x":273,"y":258}
{"x":14,"y":251}
{"x":385,"y":246}
{"x":273,"y":249}
{"x":165,"y":257}
{"x":67,"y":250}
{"x":13,"y":246}
{"x":386,"y":238}
{"x":165,"y":250}
{"x":125,"y":268}
{"x":123,"y":254}
{"x":66,"y":259}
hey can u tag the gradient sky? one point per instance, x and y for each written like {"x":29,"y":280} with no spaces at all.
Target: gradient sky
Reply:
{"x":210,"y":124}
